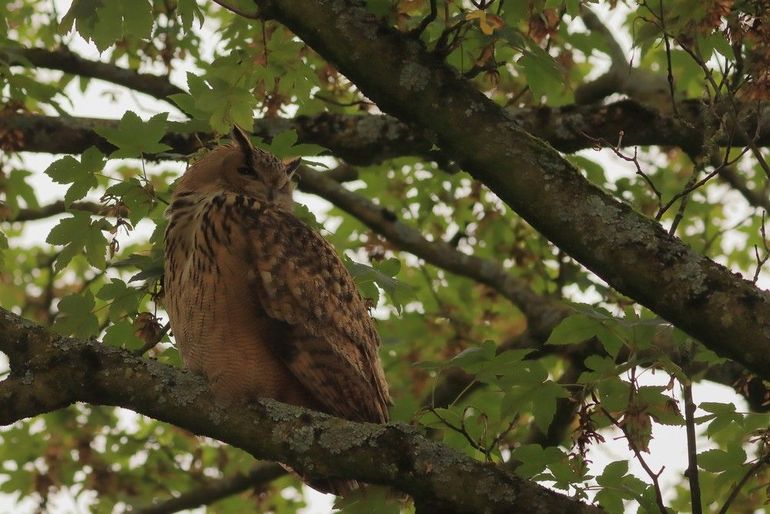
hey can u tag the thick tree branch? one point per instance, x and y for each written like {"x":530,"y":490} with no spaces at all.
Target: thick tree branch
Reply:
{"x":68,"y":62}
{"x":632,"y":253}
{"x":48,"y":372}
{"x":370,"y":139}
{"x":360,"y":140}
{"x":216,"y":490}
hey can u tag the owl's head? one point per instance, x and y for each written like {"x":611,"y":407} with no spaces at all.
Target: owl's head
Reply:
{"x":241,"y":168}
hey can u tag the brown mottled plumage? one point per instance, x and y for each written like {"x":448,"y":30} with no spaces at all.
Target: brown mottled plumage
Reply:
{"x":259,"y":303}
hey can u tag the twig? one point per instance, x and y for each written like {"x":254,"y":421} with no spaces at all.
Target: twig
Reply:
{"x":600,"y":143}
{"x":683,"y":204}
{"x":238,"y":10}
{"x":206,"y":494}
{"x":425,"y":21}
{"x":64,"y":60}
{"x":761,"y":261}
{"x":151,"y":343}
{"x":692,"y":450}
{"x":342,"y":104}
{"x":745,"y":478}
{"x":687,"y":190}
{"x":670,"y":75}
{"x":653,"y":476}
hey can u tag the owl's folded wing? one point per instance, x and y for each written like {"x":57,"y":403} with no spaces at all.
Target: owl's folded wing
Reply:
{"x":333,"y":344}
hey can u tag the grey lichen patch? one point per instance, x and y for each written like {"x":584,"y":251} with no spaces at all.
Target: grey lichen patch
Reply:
{"x":692,"y":274}
{"x":300,"y":439}
{"x":414,"y":77}
{"x":351,"y":436}
{"x":473,"y":108}
{"x":217,"y":415}
{"x":433,"y":456}
{"x":371,"y":127}
{"x":187,"y":395}
{"x":279,"y":412}
{"x":489,"y":486}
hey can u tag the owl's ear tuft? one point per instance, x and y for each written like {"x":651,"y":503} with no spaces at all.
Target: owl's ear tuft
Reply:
{"x":291,"y":166}
{"x":242,"y":138}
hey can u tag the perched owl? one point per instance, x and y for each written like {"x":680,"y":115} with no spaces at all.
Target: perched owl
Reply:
{"x":259,"y":303}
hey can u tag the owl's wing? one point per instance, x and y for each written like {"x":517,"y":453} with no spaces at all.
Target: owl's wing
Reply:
{"x":333,"y":344}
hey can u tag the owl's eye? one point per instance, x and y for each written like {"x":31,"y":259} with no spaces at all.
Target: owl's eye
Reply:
{"x":247,"y":170}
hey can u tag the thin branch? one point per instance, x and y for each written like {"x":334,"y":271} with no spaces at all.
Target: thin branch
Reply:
{"x":692,"y":450}
{"x":761,"y":260}
{"x":683,"y":204}
{"x":64,"y":60}
{"x":154,"y":341}
{"x":237,"y":10}
{"x":594,"y":24}
{"x":653,"y":476}
{"x":438,"y":253}
{"x":753,"y":469}
{"x":59,"y":207}
{"x":215,"y":490}
{"x":670,"y":74}
{"x":425,"y":21}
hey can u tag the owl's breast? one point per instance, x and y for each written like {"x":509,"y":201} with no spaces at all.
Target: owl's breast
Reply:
{"x":219,"y":326}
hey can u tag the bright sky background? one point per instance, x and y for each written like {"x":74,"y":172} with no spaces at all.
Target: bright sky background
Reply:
{"x":667,"y":449}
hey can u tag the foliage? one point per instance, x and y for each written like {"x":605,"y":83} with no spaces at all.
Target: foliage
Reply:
{"x":537,"y":403}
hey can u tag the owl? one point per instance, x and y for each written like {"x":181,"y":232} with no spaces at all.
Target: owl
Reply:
{"x":259,"y":303}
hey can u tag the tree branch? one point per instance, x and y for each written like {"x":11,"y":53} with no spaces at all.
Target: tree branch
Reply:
{"x":59,"y":207}
{"x":541,"y":311}
{"x":154,"y":85}
{"x":216,"y":490}
{"x":370,"y":139}
{"x":48,"y":372}
{"x":632,"y":253}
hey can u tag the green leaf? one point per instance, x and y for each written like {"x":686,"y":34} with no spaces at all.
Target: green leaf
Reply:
{"x":611,"y":342}
{"x":17,"y":190}
{"x":534,"y":458}
{"x":189,"y":11}
{"x":137,"y":17}
{"x":123,"y":299}
{"x":82,"y":13}
{"x":366,"y":277}
{"x":122,"y":335}
{"x":108,"y":26}
{"x":138,"y":199}
{"x":282,"y":143}
{"x":574,"y":329}
{"x":722,"y":416}
{"x":105,"y":22}
{"x":613,"y":473}
{"x":716,"y":460}
{"x":226,"y":105}
{"x":150,"y":266}
{"x":75,"y":316}
{"x":135,"y":137}
{"x":544,"y":76}
{"x":79,"y":234}
{"x":544,"y":408}
{"x":81,"y":174}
